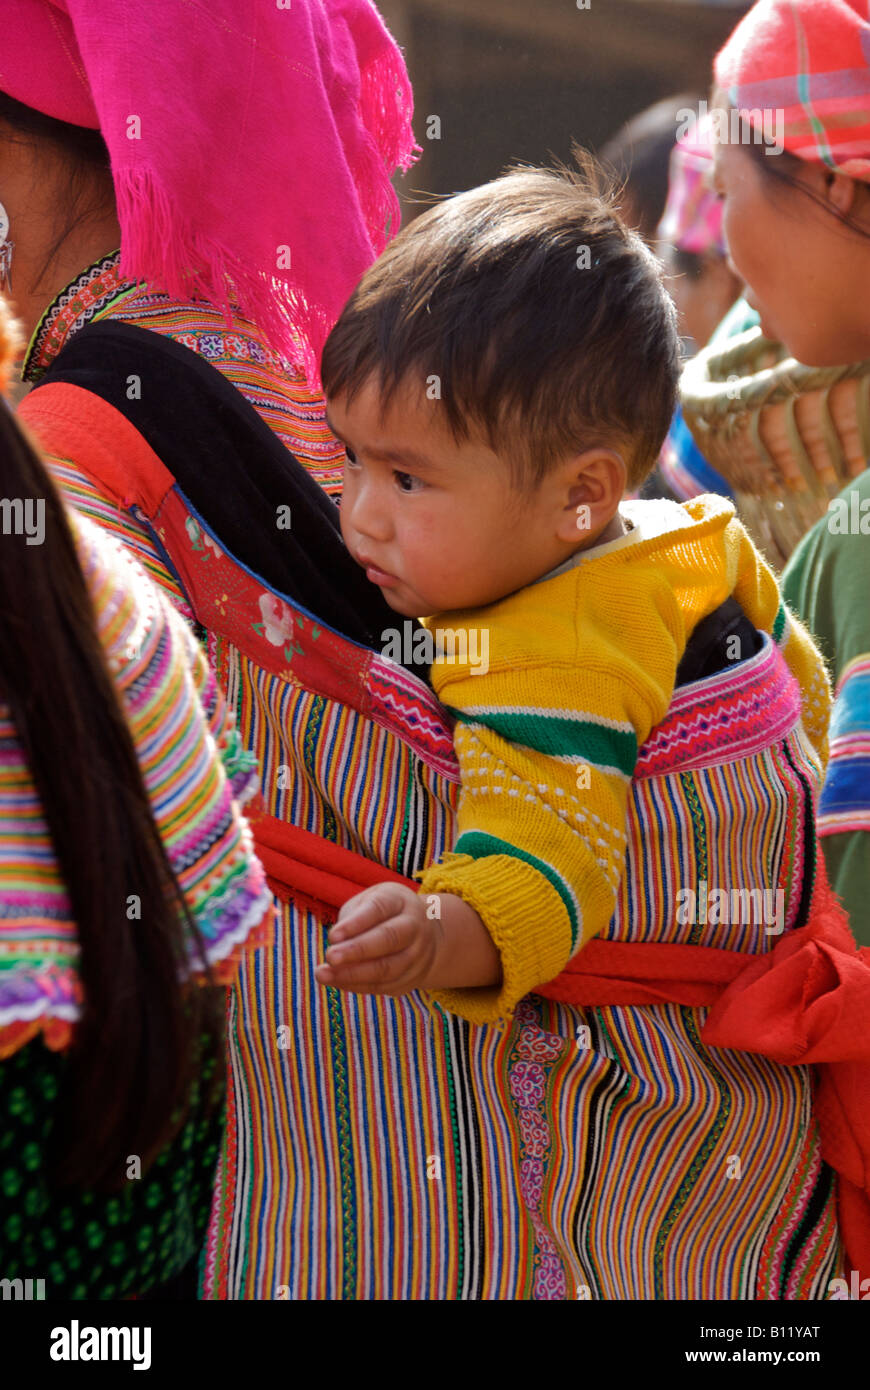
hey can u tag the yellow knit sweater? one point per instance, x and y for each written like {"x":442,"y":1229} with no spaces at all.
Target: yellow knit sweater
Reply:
{"x":581,"y":668}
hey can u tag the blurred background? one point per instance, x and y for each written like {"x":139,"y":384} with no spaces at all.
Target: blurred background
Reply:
{"x":522,"y":79}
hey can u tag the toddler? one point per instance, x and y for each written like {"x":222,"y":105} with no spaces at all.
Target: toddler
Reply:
{"x":500,"y":378}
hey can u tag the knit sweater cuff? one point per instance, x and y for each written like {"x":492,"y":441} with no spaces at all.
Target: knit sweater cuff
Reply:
{"x":525,"y":917}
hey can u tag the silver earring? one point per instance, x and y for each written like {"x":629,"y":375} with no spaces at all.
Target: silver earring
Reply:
{"x":6,"y":249}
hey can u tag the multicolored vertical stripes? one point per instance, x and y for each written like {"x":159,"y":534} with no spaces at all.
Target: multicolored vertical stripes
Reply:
{"x":381,"y":1149}
{"x":845,"y":799}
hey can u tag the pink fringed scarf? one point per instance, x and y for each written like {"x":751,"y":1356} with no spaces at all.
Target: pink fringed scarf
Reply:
{"x":252,"y":142}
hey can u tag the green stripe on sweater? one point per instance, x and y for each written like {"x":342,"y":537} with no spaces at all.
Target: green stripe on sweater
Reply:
{"x":559,"y":737}
{"x":481,"y":845}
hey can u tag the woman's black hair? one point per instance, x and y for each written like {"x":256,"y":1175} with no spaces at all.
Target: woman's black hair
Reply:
{"x":84,"y":155}
{"x":687,"y":263}
{"x":783,"y":167}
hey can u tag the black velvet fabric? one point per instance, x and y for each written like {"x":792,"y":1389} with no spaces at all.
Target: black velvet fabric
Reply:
{"x":236,"y":474}
{"x":232,"y":469}
{"x":710,"y":648}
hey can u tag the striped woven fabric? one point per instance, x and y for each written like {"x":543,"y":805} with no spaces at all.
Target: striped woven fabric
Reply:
{"x":279,"y":392}
{"x":381,"y":1148}
{"x":195,"y":772}
{"x":845,"y":799}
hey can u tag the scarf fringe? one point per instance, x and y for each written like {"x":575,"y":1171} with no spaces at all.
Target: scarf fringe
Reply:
{"x":386,"y":109}
{"x":167,"y":254}
{"x":153,"y":249}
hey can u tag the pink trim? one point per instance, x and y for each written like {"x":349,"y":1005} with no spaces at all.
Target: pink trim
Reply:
{"x":731,"y":716}
{"x":226,"y":600}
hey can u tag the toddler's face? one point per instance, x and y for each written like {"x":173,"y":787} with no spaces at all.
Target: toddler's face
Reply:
{"x":437,"y":524}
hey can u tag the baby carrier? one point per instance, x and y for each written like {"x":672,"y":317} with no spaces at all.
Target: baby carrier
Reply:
{"x":380,"y":1148}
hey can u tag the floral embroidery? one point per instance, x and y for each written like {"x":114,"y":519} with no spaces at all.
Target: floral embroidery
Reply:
{"x":534,"y":1053}
{"x":277,"y":625}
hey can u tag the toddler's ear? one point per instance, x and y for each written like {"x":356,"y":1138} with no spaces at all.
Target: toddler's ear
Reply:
{"x":593,"y":486}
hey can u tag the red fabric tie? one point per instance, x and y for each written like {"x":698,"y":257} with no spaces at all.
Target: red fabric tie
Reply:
{"x":806,"y":1002}
{"x":314,"y":873}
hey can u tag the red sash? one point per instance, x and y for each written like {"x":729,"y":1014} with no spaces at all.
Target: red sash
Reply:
{"x":312,"y":872}
{"x":806,"y":1002}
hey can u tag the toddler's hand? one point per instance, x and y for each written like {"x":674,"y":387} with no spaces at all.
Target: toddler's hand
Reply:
{"x":382,"y":943}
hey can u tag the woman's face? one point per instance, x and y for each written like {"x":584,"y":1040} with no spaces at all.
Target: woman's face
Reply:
{"x":805,"y":272}
{"x":703,"y":293}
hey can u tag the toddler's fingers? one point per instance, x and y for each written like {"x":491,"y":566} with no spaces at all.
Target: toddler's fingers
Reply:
{"x":386,"y":939}
{"x":367,"y":910}
{"x":379,"y":976}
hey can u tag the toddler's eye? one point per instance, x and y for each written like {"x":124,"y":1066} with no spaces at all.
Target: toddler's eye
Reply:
{"x":350,"y":455}
{"x":407,"y":482}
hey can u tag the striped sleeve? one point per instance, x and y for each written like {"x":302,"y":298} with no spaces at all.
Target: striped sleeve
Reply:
{"x":540,"y":849}
{"x":194,"y":769}
{"x":132,"y":532}
{"x":845,"y":799}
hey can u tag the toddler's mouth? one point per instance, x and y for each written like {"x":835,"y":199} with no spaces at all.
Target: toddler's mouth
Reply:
{"x":377,"y":576}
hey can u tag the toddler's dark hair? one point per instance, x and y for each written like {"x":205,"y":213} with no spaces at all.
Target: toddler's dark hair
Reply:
{"x":543,"y":319}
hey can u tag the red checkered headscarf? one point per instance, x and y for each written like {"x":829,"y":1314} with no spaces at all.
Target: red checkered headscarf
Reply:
{"x":809,"y":60}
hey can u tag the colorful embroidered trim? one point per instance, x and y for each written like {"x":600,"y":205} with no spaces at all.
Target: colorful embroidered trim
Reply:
{"x":845,"y":801}
{"x":729,"y":716}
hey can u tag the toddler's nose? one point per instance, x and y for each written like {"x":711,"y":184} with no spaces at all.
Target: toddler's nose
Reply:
{"x":367,"y":511}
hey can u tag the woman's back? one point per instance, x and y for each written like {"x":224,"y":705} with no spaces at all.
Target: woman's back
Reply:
{"x":376,"y":1139}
